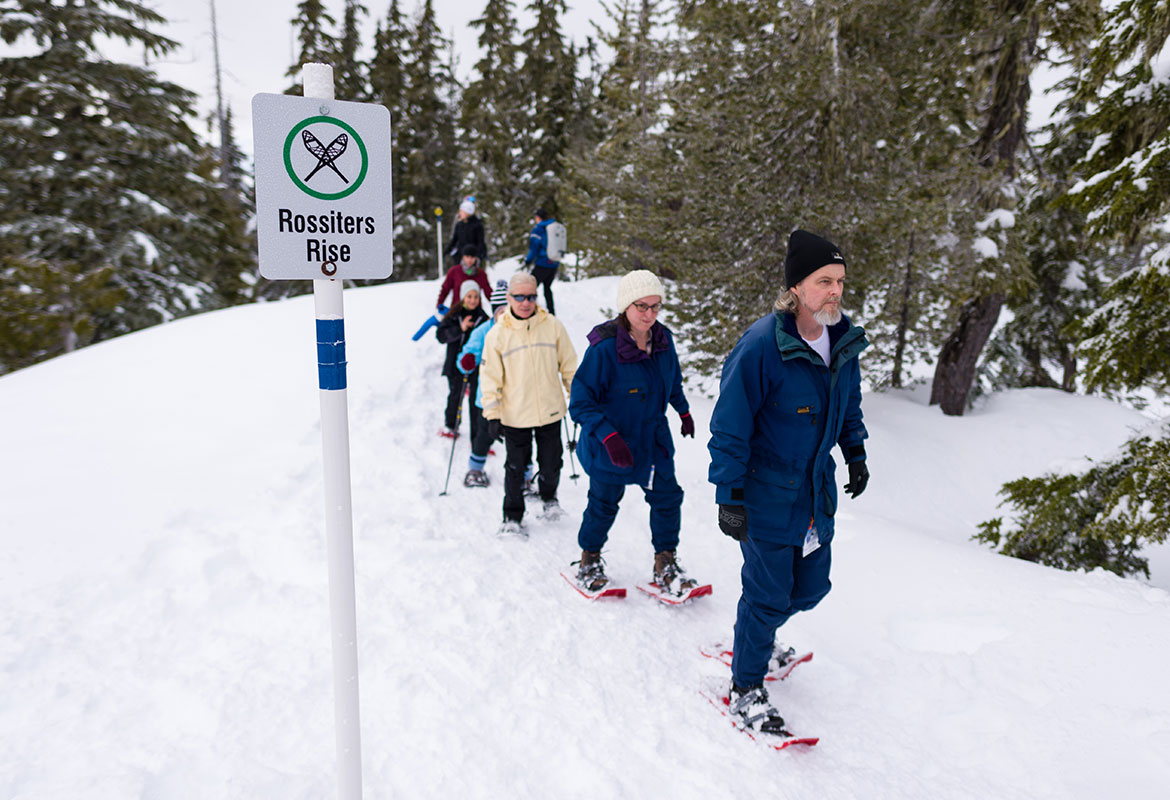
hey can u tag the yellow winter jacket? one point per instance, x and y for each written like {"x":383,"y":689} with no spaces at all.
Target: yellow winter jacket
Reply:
{"x":527,"y":369}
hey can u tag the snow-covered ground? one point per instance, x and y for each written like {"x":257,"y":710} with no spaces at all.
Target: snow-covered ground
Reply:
{"x":164,"y":627}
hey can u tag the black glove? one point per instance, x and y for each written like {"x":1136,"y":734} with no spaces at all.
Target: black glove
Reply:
{"x":733,"y":521}
{"x":858,"y":478}
{"x":688,"y":425}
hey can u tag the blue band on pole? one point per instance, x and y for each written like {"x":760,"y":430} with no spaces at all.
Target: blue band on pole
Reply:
{"x":331,"y":353}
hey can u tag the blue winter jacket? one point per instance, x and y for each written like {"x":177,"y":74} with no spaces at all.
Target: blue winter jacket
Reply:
{"x":538,"y":246}
{"x":780,"y":410}
{"x":619,"y":387}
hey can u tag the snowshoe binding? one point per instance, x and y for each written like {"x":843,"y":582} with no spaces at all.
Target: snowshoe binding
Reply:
{"x":476,"y":477}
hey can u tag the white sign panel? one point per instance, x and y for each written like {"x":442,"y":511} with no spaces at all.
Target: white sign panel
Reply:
{"x":323,"y":194}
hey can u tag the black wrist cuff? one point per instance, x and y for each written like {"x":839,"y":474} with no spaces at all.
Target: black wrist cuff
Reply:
{"x":856,"y":453}
{"x":737,"y":495}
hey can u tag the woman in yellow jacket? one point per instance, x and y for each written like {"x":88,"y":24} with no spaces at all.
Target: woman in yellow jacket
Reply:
{"x":527,"y":371}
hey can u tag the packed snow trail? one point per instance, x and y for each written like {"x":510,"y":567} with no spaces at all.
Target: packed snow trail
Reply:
{"x":164,"y":615}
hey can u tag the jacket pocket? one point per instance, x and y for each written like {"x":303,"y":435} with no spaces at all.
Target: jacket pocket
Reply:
{"x":829,"y":490}
{"x":782,"y":477}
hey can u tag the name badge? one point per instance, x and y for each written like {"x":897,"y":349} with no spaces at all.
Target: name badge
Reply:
{"x":811,"y":541}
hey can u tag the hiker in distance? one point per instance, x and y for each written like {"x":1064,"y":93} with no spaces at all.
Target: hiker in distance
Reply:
{"x":454,"y":331}
{"x":629,"y":374}
{"x":527,"y":369}
{"x":468,"y":269}
{"x":468,"y":364}
{"x":790,"y":390}
{"x":467,"y":232}
{"x":543,"y":268}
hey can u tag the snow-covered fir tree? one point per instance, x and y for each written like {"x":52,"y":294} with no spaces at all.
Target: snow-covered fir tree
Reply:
{"x":840,"y":118}
{"x":491,"y":117}
{"x":1104,"y":516}
{"x":612,"y":191}
{"x":350,"y":72}
{"x":388,"y":87}
{"x":102,"y":200}
{"x":548,"y":86}
{"x":426,"y":135}
{"x":316,"y":42}
{"x":1003,"y":41}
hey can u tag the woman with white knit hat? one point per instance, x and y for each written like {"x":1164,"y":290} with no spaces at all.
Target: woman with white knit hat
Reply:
{"x":619,"y":397}
{"x":467,"y":230}
{"x":455,"y":329}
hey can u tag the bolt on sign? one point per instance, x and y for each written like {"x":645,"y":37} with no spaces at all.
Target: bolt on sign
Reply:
{"x":323,"y":195}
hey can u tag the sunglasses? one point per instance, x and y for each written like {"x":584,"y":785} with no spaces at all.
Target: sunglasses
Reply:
{"x":524,"y":298}
{"x":645,"y":307}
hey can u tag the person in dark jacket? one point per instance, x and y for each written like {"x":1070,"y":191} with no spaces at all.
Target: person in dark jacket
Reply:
{"x":790,"y":391}
{"x":454,"y":331}
{"x":467,"y":230}
{"x":468,"y":269}
{"x":619,"y":396}
{"x":537,"y":261}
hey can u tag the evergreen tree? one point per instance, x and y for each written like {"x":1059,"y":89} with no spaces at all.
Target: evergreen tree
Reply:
{"x":232,"y":260}
{"x":1106,"y":515}
{"x":612,"y":177}
{"x":388,"y":87}
{"x":349,"y":74}
{"x":317,"y":44}
{"x":490,"y":120}
{"x":846,"y":124}
{"x":427,"y":137}
{"x":1004,"y":44}
{"x":101,"y":203}
{"x":548,"y":85}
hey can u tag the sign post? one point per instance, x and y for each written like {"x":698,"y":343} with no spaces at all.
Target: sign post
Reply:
{"x":323,"y":210}
{"x":439,"y":237}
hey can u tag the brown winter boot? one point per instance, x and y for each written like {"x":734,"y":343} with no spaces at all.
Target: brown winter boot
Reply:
{"x":591,"y":573}
{"x":669,"y":574}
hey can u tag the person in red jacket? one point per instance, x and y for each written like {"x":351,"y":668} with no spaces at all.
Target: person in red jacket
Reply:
{"x":468,"y":269}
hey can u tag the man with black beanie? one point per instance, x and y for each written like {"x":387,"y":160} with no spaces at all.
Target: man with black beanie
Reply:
{"x":790,"y":390}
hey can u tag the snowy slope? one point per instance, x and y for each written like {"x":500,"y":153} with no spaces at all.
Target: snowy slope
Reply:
{"x":164,"y":620}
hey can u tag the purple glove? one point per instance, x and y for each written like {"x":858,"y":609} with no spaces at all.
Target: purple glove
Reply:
{"x":618,"y":452}
{"x":688,"y":425}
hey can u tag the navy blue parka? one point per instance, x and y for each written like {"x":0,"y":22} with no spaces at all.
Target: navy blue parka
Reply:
{"x":779,"y":413}
{"x":619,"y":387}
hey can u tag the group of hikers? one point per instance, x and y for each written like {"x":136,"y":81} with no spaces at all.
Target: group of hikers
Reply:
{"x":789,"y":391}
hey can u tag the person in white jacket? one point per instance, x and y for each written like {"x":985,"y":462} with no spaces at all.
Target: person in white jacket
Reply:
{"x":526,"y":373}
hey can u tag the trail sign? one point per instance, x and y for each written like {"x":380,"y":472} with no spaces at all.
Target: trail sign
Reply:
{"x":323,"y":195}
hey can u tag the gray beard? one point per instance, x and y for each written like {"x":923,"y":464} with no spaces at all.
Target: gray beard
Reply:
{"x":827,"y":317}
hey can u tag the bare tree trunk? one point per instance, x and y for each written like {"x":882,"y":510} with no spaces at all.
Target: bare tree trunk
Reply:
{"x":1001,"y":139}
{"x":960,"y":353}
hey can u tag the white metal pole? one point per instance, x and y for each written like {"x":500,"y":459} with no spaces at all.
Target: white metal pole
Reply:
{"x":318,"y":82}
{"x":439,"y":237}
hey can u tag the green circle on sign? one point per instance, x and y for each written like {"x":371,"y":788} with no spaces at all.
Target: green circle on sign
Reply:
{"x":292,"y":135}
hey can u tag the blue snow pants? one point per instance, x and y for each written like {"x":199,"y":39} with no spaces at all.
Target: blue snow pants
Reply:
{"x":778,"y":580}
{"x":664,"y":496}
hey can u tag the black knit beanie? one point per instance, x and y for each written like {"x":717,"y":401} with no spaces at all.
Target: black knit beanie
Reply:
{"x":807,"y":253}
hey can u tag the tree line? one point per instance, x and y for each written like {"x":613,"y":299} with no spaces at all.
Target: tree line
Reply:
{"x":687,"y":137}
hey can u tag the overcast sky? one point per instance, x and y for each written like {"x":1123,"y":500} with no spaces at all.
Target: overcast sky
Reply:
{"x":256,"y":43}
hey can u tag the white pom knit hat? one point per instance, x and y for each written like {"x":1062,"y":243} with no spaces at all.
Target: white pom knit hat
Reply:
{"x":636,"y":285}
{"x":468,"y":206}
{"x":467,"y":286}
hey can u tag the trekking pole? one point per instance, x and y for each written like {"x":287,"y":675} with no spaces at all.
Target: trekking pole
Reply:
{"x":458,"y":419}
{"x":572,"y":446}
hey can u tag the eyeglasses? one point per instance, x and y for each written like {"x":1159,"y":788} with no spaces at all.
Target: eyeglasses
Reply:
{"x":524,"y":298}
{"x":638,"y":304}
